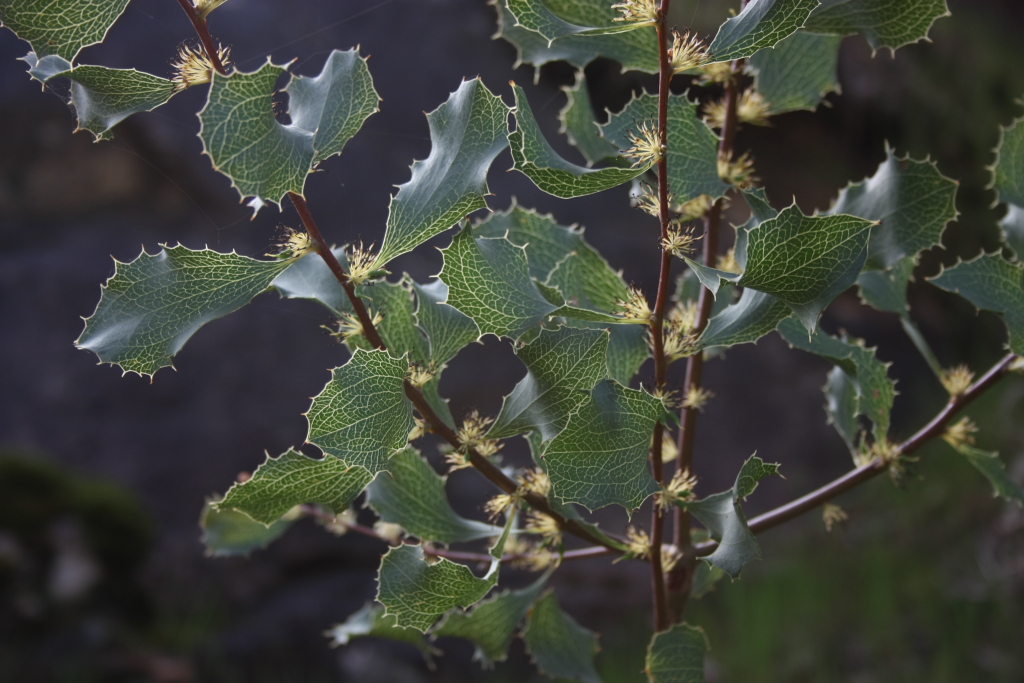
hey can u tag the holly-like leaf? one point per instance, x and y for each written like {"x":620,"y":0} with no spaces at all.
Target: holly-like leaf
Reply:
{"x":1008,"y":173}
{"x":883,"y":23}
{"x":398,"y":329}
{"x":886,"y":290}
{"x":60,"y":27}
{"x":600,"y":458}
{"x":228,"y":532}
{"x":535,"y":158}
{"x":154,"y":304}
{"x":692,"y":155}
{"x":554,"y":19}
{"x":561,"y":365}
{"x":492,"y":624}
{"x":911,"y":199}
{"x":635,"y":50}
{"x":371,"y":622}
{"x":104,"y":97}
{"x":489,"y":280}
{"x":677,"y":655}
{"x":579,"y":126}
{"x":761,"y":24}
{"x":265,"y":159}
{"x":863,"y":389}
{"x":466,"y":133}
{"x":712,"y":278}
{"x":722,"y":515}
{"x":413,"y":496}
{"x":988,"y":464}
{"x":291,"y":479}
{"x":559,"y":646}
{"x":447,"y":329}
{"x":744,"y":322}
{"x":310,"y":278}
{"x":362,"y":416}
{"x":992,"y":284}
{"x":806,"y":261}
{"x":797,"y":73}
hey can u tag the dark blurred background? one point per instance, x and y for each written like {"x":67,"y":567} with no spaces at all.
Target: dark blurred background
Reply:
{"x":102,"y":574}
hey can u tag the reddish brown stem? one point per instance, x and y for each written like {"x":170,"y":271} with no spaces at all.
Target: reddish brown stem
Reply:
{"x":199,"y":24}
{"x":934,"y":428}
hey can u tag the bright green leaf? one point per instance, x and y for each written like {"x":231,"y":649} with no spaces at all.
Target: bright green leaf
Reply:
{"x":806,"y":261}
{"x":554,"y":19}
{"x":635,"y":50}
{"x":371,"y":622}
{"x":761,"y":24}
{"x":559,"y":646}
{"x":362,"y":416}
{"x":579,"y":126}
{"x":988,"y":464}
{"x":883,"y":23}
{"x":229,"y":532}
{"x":60,"y":27}
{"x":600,"y":458}
{"x":753,"y":316}
{"x":677,"y":655}
{"x":291,"y":479}
{"x":866,"y":390}
{"x":535,"y":158}
{"x":153,"y":305}
{"x":692,"y":147}
{"x":466,"y":133}
{"x":104,"y":97}
{"x":911,"y":199}
{"x":722,"y":515}
{"x":492,"y":624}
{"x":992,"y":284}
{"x":489,"y":280}
{"x":797,"y":73}
{"x":561,"y":365}
{"x":413,"y":496}
{"x":265,"y":159}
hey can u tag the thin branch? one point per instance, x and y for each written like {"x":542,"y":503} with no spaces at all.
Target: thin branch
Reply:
{"x":199,"y":24}
{"x":936,"y":427}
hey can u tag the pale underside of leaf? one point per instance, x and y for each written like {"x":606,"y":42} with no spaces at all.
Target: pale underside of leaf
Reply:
{"x":371,"y":622}
{"x":578,"y":124}
{"x":798,"y":72}
{"x":229,"y":532}
{"x":104,"y":97}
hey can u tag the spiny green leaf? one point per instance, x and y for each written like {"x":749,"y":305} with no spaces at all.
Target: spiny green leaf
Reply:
{"x":60,"y":27}
{"x":561,"y":365}
{"x":265,"y":159}
{"x":797,"y":73}
{"x":310,"y":278}
{"x":554,"y":19}
{"x":489,"y":280}
{"x":1008,"y":173}
{"x":579,"y":126}
{"x":600,"y":458}
{"x":154,"y":304}
{"x":362,"y":416}
{"x":413,"y":496}
{"x":229,"y":532}
{"x":371,"y":622}
{"x":291,"y":479}
{"x":492,"y":624}
{"x":992,"y":284}
{"x":692,"y":147}
{"x":711,"y":277}
{"x":104,"y":97}
{"x":398,"y":329}
{"x":466,"y":133}
{"x":677,"y":655}
{"x":806,"y":261}
{"x":886,"y":290}
{"x":988,"y":464}
{"x":883,"y":23}
{"x":761,"y":24}
{"x":753,"y":316}
{"x":722,"y":515}
{"x":913,"y":201}
{"x":635,"y":50}
{"x":535,"y":158}
{"x":447,"y":329}
{"x":559,"y":646}
{"x":866,"y":389}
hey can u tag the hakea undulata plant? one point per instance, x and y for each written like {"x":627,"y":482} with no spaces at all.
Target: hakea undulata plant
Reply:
{"x":608,"y":424}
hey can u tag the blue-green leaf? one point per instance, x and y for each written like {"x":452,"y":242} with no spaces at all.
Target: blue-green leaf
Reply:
{"x":761,"y":24}
{"x":884,"y":23}
{"x":559,"y":646}
{"x":60,"y":27}
{"x":797,"y":73}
